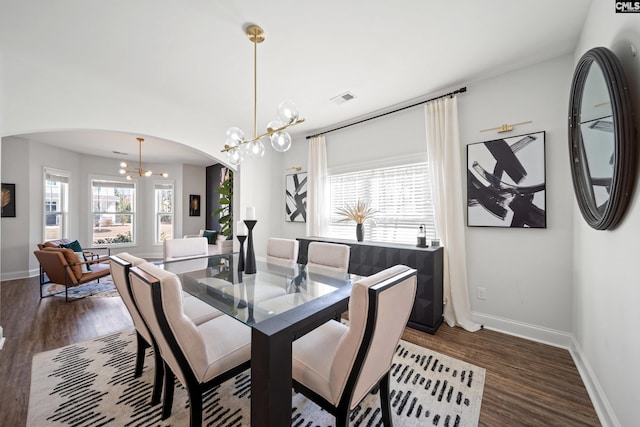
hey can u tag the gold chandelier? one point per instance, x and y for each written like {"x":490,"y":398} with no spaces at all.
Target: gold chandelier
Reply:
{"x":140,"y":171}
{"x":236,"y":145}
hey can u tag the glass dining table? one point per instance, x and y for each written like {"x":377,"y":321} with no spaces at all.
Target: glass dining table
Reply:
{"x":281,"y":302}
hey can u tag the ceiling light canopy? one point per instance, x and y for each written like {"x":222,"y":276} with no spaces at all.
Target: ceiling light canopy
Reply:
{"x":236,"y":146}
{"x":140,"y":171}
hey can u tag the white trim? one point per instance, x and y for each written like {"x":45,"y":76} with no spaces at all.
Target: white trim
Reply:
{"x":524,"y":330}
{"x":2,"y":339}
{"x":64,"y":199}
{"x":560,"y":339}
{"x":601,"y":404}
{"x":23,"y":274}
{"x":150,"y":255}
{"x":136,"y":199}
{"x":156,"y":214}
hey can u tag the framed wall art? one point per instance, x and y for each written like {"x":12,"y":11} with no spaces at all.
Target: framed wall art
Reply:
{"x":8,"y":200}
{"x":506,"y":183}
{"x":194,"y":205}
{"x":296,"y":197}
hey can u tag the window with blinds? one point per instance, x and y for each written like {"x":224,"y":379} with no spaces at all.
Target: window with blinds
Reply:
{"x":164,"y":210}
{"x":113,"y":211}
{"x":400,"y":194}
{"x":56,"y":204}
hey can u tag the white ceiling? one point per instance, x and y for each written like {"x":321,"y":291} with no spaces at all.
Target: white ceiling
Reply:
{"x":195,"y":54}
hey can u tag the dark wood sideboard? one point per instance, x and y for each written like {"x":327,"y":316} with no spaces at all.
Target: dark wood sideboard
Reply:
{"x":368,"y":258}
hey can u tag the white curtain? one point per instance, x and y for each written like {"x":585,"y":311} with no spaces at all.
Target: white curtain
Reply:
{"x":317,"y":187}
{"x":443,"y":148}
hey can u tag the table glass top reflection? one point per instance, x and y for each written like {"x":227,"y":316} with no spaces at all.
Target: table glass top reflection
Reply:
{"x":276,"y":287}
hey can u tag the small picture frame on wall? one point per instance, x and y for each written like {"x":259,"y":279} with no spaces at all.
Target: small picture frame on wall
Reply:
{"x":296,"y":197}
{"x":8,"y":200}
{"x":506,"y":184}
{"x":194,"y":205}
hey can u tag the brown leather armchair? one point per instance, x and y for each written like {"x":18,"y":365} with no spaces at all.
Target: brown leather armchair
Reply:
{"x":62,"y":266}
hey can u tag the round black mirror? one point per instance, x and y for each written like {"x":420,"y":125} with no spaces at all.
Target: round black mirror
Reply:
{"x":601,"y":139}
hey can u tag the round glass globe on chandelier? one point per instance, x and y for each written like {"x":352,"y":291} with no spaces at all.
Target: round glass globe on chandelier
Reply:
{"x":236,"y":146}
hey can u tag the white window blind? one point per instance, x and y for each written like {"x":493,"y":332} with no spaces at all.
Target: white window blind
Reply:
{"x":400,"y":194}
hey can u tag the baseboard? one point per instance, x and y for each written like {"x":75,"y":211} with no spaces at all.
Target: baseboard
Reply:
{"x":524,"y":330}
{"x":560,"y":339}
{"x":150,"y":255}
{"x":24,"y":274}
{"x":598,"y":397}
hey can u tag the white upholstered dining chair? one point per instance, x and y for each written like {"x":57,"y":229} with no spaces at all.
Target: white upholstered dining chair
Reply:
{"x":337,"y":365}
{"x":331,"y":256}
{"x":195,"y":309}
{"x":282,"y":249}
{"x":120,"y":265}
{"x":201,"y":356}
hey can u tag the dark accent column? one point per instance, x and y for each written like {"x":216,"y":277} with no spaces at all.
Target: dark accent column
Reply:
{"x":241,"y":239}
{"x":270,"y":379}
{"x":212,"y":199}
{"x":250,"y":261}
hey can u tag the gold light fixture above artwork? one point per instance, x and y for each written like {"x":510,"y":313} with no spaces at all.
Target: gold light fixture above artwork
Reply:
{"x":236,"y":146}
{"x":131,"y":172}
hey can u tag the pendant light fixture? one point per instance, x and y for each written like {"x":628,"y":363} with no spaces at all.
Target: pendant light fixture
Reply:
{"x":236,"y":146}
{"x":140,"y":171}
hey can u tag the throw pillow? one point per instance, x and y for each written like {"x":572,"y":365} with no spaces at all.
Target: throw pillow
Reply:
{"x":74,"y":246}
{"x":211,"y":236}
{"x":81,"y":258}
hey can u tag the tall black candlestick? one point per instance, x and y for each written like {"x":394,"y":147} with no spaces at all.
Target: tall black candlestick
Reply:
{"x":250,"y":262}
{"x":241,"y":239}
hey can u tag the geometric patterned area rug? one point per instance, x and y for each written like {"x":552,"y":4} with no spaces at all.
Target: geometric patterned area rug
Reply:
{"x":100,"y":289}
{"x":92,"y":383}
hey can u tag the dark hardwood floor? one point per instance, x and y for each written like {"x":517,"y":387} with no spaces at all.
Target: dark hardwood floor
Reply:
{"x":527,"y":383}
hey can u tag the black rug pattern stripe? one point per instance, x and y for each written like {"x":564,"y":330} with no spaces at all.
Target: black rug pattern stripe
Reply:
{"x":453,"y":389}
{"x":92,"y":384}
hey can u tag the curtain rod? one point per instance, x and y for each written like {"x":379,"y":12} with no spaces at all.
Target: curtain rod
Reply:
{"x":461,"y":90}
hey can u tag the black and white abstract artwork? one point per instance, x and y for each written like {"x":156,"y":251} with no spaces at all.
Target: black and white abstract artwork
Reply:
{"x":506,"y":185}
{"x":296,"y":197}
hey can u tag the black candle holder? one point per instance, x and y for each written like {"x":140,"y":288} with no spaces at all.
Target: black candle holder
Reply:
{"x":250,"y":262}
{"x":241,"y":239}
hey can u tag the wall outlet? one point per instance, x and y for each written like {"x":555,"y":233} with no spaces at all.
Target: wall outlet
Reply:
{"x":481,"y":293}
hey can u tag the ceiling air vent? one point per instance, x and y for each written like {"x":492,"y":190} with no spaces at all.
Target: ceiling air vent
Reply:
{"x":342,"y":98}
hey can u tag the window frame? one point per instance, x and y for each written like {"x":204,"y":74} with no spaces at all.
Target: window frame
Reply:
{"x":405,"y":234}
{"x":158,"y":215}
{"x":64,"y":202}
{"x":133,"y":212}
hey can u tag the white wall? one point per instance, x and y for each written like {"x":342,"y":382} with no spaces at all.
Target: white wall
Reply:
{"x":194,"y":180}
{"x":23,"y":163}
{"x":259,"y":184}
{"x":606,"y":267}
{"x":538,"y":302}
{"x":15,"y":249}
{"x":527,"y":272}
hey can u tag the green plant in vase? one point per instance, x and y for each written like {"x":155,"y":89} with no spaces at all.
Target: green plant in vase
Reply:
{"x":360,"y":212}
